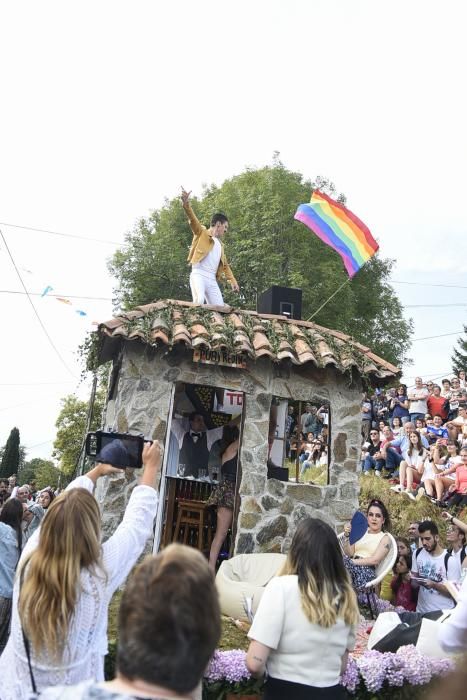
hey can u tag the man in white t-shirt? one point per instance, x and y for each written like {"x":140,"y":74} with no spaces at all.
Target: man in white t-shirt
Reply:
{"x":431,"y":565}
{"x":417,"y":398}
{"x":207,"y":257}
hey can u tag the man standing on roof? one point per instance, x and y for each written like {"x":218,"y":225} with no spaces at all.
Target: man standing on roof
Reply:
{"x":207,"y":257}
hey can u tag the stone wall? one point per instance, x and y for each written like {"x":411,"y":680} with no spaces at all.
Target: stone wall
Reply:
{"x":269,"y":509}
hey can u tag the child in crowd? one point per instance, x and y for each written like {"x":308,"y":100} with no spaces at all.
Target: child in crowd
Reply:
{"x":404,"y":595}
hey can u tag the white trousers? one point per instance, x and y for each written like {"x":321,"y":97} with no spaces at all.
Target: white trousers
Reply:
{"x":205,"y":290}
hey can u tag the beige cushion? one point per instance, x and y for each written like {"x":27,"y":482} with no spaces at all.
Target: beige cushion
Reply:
{"x":245,"y":576}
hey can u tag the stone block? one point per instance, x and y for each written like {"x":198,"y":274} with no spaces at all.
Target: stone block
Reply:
{"x":250,"y":505}
{"x":340,"y":447}
{"x":122,"y":421}
{"x":143,"y":385}
{"x":348,"y":492}
{"x":308,"y":494}
{"x":245,"y":543}
{"x":349,"y":410}
{"x":264,"y":401}
{"x":275,"y":528}
{"x":249,"y":520}
{"x":252,"y":484}
{"x":287,"y":506}
{"x":268,"y":502}
{"x":276,"y":487}
{"x":350,"y":465}
{"x":343,"y":510}
{"x":172,"y":375}
{"x":275,"y":546}
{"x":299,"y":513}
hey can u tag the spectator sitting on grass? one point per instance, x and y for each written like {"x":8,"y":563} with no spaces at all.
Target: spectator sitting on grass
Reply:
{"x":396,"y":448}
{"x":372,"y":456}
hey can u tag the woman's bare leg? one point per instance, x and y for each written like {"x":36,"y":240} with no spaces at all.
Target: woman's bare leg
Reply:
{"x":402,"y":472}
{"x":429,"y":487}
{"x":224,"y":520}
{"x":410,"y":475}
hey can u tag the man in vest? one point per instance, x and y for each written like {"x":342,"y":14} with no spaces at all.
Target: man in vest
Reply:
{"x":194,"y":443}
{"x":207,"y":257}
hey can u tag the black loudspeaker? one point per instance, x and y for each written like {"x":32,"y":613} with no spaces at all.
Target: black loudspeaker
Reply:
{"x":281,"y":301}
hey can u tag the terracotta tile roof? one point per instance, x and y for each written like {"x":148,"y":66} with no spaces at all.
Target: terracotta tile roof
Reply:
{"x":170,"y":322}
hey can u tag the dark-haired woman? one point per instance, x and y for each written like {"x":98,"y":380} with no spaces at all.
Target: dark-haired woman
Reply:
{"x":10,"y":551}
{"x":223,"y":496}
{"x":362,"y":558}
{"x":305,"y":624}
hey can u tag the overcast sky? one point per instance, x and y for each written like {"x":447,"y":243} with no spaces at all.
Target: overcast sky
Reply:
{"x":109,"y":106}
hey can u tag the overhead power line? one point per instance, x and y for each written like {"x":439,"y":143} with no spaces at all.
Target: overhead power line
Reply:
{"x":432,"y":306}
{"x":431,"y":337}
{"x":60,"y":233}
{"x":427,"y":284}
{"x":35,"y":310}
{"x":68,"y":296}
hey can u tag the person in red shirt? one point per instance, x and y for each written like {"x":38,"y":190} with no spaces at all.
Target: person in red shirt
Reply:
{"x":437,"y":403}
{"x":459,"y":492}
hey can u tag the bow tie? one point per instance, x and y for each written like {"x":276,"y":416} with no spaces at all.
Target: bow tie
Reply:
{"x":196,"y":435}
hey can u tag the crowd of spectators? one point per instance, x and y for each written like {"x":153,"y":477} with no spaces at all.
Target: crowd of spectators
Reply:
{"x":22,"y":509}
{"x":307,"y":436}
{"x":417,"y":436}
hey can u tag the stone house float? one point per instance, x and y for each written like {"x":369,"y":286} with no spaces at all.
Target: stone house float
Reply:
{"x":171,"y":358}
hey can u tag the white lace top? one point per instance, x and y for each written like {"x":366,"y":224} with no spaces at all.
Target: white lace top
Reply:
{"x":87,"y":635}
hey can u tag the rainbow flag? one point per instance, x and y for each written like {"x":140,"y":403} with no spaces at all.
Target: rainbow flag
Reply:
{"x":338,"y":228}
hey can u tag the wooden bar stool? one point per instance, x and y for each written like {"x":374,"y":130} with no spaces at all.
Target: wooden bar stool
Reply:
{"x":192,"y":515}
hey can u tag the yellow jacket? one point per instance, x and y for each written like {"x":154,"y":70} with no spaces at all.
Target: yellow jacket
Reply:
{"x":203,"y":243}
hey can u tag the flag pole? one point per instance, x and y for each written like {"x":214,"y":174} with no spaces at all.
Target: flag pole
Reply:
{"x":331,"y":297}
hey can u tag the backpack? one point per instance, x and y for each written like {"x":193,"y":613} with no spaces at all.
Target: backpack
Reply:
{"x":446,"y":556}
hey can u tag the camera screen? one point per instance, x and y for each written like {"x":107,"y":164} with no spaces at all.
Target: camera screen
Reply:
{"x":126,"y":450}
{"x":117,"y":449}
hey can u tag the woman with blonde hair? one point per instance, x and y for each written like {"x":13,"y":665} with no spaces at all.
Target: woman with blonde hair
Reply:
{"x":65,"y":581}
{"x":305,"y":624}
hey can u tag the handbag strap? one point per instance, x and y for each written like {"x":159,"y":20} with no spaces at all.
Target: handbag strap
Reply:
{"x":26,"y":642}
{"x":28,"y":654}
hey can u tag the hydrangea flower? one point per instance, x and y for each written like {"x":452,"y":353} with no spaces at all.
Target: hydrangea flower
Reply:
{"x":228,"y":665}
{"x":372,"y":669}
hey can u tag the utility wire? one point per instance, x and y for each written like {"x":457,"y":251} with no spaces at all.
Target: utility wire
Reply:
{"x":39,"y":294}
{"x":35,"y":310}
{"x":59,"y":233}
{"x":426,"y":284}
{"x":431,"y":306}
{"x":38,"y":444}
{"x":431,"y":337}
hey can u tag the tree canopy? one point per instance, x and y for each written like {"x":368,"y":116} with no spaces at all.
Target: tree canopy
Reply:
{"x":265,"y":246}
{"x":459,"y":358}
{"x":11,"y":457}
{"x":71,"y":429}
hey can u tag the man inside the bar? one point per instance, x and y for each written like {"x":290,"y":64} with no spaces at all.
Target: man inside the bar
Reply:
{"x":194,"y":442}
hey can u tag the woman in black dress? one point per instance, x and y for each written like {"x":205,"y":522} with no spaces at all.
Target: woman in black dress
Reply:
{"x":223,"y":496}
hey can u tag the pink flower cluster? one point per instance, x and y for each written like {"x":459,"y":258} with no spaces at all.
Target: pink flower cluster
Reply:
{"x":407,"y":665}
{"x":373,"y":668}
{"x":228,"y":665}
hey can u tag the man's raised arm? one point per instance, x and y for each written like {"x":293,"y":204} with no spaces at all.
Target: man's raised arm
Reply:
{"x":195,"y":226}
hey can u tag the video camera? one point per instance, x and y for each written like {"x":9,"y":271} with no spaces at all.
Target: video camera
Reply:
{"x":118,"y":449}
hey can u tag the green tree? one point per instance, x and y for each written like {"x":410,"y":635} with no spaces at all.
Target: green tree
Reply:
{"x":71,"y":429}
{"x":265,"y":246}
{"x":42,"y":471}
{"x":459,"y":358}
{"x":11,"y":455}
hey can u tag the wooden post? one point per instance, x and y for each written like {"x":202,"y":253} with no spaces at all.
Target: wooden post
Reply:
{"x":297,"y":460}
